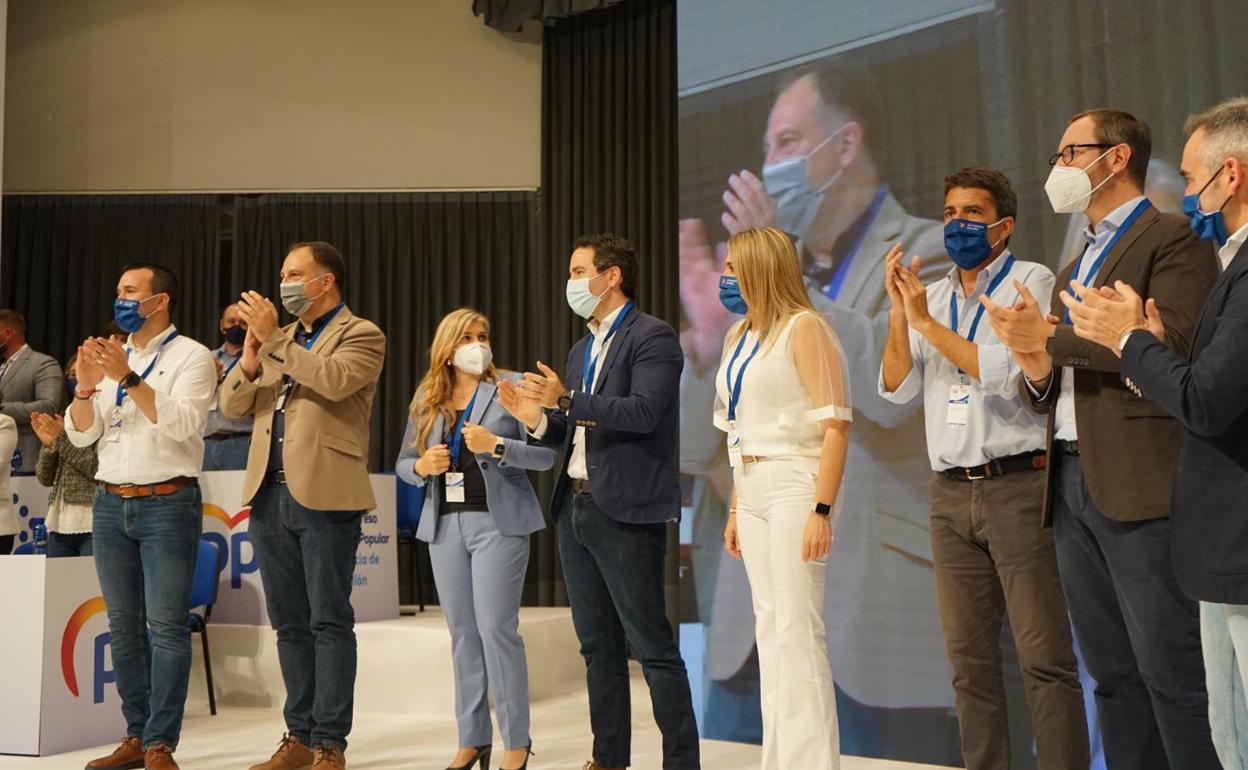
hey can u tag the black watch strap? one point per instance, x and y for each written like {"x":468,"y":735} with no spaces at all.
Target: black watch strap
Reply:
{"x":131,"y":380}
{"x":823,"y":509}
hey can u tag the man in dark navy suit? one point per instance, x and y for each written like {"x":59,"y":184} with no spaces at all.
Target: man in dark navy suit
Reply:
{"x":617,"y":421}
{"x":1207,"y":392}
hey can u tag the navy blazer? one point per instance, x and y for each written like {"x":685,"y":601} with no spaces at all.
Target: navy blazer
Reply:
{"x":631,"y":421}
{"x":1207,"y":392}
{"x":508,"y":492}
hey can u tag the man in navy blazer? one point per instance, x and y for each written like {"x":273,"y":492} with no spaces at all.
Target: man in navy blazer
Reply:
{"x":617,"y":421}
{"x":1207,"y":392}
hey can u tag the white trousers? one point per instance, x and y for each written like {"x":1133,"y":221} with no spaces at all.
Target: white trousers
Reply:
{"x":774,"y":499}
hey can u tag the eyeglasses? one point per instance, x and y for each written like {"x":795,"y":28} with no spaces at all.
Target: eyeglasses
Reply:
{"x":1069,"y":152}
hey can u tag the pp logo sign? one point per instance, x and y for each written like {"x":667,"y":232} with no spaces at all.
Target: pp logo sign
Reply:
{"x":101,"y":675}
{"x":235,"y":547}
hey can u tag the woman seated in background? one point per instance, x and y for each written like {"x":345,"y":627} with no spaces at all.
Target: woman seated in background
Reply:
{"x":70,"y":471}
{"x":472,"y":458}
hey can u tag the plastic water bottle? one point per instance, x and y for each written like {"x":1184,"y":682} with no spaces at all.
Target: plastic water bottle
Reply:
{"x":41,"y":536}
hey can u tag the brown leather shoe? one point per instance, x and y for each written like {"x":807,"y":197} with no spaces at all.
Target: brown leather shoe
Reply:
{"x":328,"y":758}
{"x":127,"y":756}
{"x":290,"y":755}
{"x":592,"y":765}
{"x":160,"y":757}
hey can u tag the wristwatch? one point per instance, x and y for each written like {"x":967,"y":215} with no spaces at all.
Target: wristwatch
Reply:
{"x":499,"y":448}
{"x":823,"y":509}
{"x":130,"y":380}
{"x":565,"y":401}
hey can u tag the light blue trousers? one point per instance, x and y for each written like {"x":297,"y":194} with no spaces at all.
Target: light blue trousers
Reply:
{"x":1224,"y":641}
{"x":479,"y":573}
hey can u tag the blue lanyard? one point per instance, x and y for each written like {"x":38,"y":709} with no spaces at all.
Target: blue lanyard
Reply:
{"x":313,"y":337}
{"x":833,"y":289}
{"x":734,"y":389}
{"x":121,"y":392}
{"x":992,"y":287}
{"x":590,"y":367}
{"x":456,"y":439}
{"x":1100,"y":258}
{"x":233,"y":364}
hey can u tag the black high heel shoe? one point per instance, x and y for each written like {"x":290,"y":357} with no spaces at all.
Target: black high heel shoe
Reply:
{"x":482,"y":756}
{"x":525,"y":766}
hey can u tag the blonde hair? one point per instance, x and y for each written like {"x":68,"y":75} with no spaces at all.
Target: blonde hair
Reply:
{"x":769,"y":274}
{"x":433,"y":395}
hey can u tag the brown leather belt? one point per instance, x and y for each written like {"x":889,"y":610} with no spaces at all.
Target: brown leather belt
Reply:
{"x":580,"y":487}
{"x":159,"y":489}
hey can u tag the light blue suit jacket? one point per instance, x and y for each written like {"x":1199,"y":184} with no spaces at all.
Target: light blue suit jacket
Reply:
{"x":508,"y":492}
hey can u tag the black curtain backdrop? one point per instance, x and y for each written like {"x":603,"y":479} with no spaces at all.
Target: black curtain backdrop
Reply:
{"x":609,"y":162}
{"x":63,"y":255}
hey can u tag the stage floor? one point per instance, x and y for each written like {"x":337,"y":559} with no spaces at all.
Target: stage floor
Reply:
{"x":405,"y":703}
{"x":239,"y":737}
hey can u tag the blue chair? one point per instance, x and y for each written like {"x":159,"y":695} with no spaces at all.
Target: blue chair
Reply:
{"x":408,"y":502}
{"x":204,"y":594}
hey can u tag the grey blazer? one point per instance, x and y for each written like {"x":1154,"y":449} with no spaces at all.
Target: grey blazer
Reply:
{"x":33,"y":383}
{"x":509,"y":494}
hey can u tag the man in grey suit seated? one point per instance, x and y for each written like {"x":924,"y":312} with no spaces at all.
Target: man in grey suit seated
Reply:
{"x":29,"y":382}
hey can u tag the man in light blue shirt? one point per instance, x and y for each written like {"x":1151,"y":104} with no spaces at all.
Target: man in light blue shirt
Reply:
{"x":227,"y":439}
{"x":992,"y":553}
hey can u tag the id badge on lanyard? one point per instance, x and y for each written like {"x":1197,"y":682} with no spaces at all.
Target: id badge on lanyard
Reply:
{"x":959,"y":410}
{"x":454,"y":487}
{"x":734,"y":446}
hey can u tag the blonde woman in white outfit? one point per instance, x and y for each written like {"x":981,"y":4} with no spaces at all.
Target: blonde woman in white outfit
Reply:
{"x":783,"y":401}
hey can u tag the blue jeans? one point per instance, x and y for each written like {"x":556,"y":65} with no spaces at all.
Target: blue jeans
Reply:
{"x":226,"y":454}
{"x":614,"y":576}
{"x":145,"y":550}
{"x":1224,"y":638}
{"x":307,"y":560}
{"x":73,"y":544}
{"x":479,"y":572}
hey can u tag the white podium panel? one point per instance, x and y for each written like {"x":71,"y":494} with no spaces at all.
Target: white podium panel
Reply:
{"x":60,"y":693}
{"x":375,"y":595}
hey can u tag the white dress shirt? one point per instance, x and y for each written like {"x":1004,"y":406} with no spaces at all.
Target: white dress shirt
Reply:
{"x":1098,"y":238}
{"x":998,"y":423}
{"x":577,"y":467}
{"x":1231,"y":247}
{"x":133,"y":450}
{"x":8,"y":362}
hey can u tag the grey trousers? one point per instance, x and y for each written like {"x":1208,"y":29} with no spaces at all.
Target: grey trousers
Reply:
{"x":479,"y":573}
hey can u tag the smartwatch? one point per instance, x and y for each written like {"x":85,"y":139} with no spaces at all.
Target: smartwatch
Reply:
{"x":499,"y":448}
{"x":565,"y":401}
{"x":130,"y":380}
{"x":823,"y":509}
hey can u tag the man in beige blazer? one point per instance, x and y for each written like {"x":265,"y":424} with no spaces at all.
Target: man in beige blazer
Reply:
{"x":310,"y":387}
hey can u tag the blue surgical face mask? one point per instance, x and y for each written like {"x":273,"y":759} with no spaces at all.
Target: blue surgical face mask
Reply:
{"x":730,"y":295}
{"x":966,"y":242}
{"x":1210,"y":226}
{"x":582,"y":301}
{"x":797,"y":200}
{"x":126,"y":313}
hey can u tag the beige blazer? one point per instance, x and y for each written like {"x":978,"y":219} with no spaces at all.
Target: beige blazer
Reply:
{"x":325,"y":452}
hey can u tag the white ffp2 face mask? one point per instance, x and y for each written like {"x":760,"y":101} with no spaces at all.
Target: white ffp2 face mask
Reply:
{"x":473,"y":358}
{"x":1070,"y":188}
